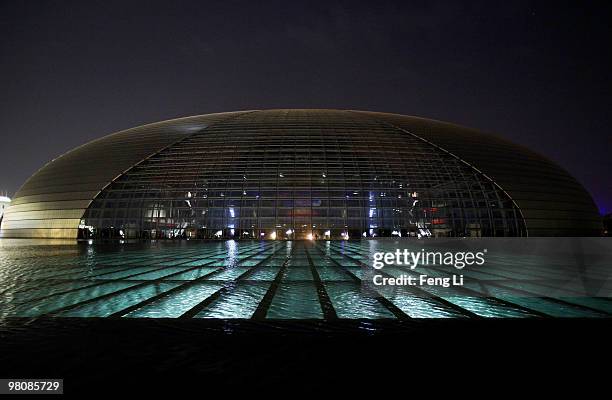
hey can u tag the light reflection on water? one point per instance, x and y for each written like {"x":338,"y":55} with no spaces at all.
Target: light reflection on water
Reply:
{"x":261,"y":280}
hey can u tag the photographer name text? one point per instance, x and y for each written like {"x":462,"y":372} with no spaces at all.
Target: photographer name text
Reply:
{"x":411,"y":260}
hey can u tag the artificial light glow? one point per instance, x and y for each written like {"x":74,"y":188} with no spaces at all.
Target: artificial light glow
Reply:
{"x":273,"y":235}
{"x":289,"y":232}
{"x":309,"y":236}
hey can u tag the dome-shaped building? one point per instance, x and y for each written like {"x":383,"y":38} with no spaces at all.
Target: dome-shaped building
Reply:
{"x":294,"y":174}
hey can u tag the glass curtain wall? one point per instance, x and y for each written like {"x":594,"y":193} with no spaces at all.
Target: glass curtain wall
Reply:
{"x":301,"y":175}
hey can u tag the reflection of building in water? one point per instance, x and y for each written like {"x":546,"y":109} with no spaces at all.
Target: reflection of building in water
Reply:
{"x":300,"y":174}
{"x":5,"y":201}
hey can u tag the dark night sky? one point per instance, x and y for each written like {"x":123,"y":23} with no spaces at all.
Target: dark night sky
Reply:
{"x":536,"y":73}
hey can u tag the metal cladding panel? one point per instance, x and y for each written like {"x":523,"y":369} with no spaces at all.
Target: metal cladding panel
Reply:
{"x":553,"y":202}
{"x":47,"y":232}
{"x":75,"y":178}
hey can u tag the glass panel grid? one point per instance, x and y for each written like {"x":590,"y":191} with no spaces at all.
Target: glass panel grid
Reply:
{"x":298,"y":175}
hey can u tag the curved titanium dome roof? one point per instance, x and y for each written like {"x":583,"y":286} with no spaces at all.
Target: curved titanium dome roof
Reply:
{"x":299,"y":173}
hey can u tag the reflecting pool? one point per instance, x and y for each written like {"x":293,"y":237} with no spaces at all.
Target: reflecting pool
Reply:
{"x":268,"y":280}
